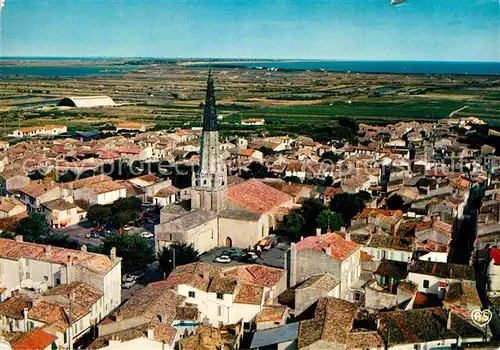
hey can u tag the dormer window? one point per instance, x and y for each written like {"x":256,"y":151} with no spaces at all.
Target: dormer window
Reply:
{"x":220,"y":296}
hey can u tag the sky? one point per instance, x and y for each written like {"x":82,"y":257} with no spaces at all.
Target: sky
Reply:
{"x":421,"y":30}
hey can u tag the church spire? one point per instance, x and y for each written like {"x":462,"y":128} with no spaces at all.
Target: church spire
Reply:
{"x":210,"y":122}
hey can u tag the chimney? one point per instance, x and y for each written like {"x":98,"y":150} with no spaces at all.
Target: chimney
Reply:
{"x":206,"y":276}
{"x":112,"y":254}
{"x":83,"y":248}
{"x":25,"y":319}
{"x":19,"y":238}
{"x":318,"y":231}
{"x":47,"y":249}
{"x":378,"y":324}
{"x":451,"y":273}
{"x":328,"y":251}
{"x":347,"y":236}
{"x":434,"y":266}
{"x":342,"y":229}
{"x":150,"y":334}
{"x":448,"y":322}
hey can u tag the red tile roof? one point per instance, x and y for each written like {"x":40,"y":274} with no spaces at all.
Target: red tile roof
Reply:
{"x":35,"y":339}
{"x":256,"y":196}
{"x":340,"y":248}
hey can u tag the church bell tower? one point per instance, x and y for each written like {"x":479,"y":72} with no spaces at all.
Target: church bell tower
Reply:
{"x":209,"y":185}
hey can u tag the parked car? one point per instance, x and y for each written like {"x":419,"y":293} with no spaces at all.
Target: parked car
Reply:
{"x":128,"y":285}
{"x":233,"y":253}
{"x":147,"y":234}
{"x":93,"y":235}
{"x":128,"y":278}
{"x":249,"y":258}
{"x":223,"y":259}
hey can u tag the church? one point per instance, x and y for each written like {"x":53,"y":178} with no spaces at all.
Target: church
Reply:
{"x":220,"y":215}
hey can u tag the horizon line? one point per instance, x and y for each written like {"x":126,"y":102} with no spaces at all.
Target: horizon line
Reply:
{"x":3,"y":57}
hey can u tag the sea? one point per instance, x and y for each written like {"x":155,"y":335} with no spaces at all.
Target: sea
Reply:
{"x":393,"y":67}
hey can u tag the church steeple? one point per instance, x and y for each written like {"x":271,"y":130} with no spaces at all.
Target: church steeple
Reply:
{"x":210,"y":183}
{"x":210,"y":122}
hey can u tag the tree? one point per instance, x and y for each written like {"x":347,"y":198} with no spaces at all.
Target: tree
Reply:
{"x":136,"y":251}
{"x":330,"y":157}
{"x":67,"y":177}
{"x":395,"y":202}
{"x":121,"y":219}
{"x":311,"y":208}
{"x":100,"y":214}
{"x":294,"y":223}
{"x":348,"y":205}
{"x":184,"y":254}
{"x":256,"y":170}
{"x":293,"y":179}
{"x":267,"y":151}
{"x":33,"y":228}
{"x":329,"y":220}
{"x":126,"y":204}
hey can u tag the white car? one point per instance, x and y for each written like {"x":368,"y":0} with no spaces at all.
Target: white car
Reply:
{"x":147,"y":234}
{"x":128,"y":285}
{"x":128,"y":278}
{"x":223,"y":259}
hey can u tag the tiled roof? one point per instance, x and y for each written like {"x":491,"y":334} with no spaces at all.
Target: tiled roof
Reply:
{"x":443,"y":270}
{"x":325,"y":282}
{"x":161,"y":333}
{"x":388,"y":241}
{"x":364,"y":340}
{"x":462,"y":292}
{"x":291,"y":189}
{"x":186,"y":313}
{"x":7,"y":204}
{"x":167,"y":191}
{"x":340,"y":248}
{"x":249,"y":294}
{"x":256,"y":196}
{"x":107,"y":186}
{"x":82,"y":293}
{"x":392,"y":268}
{"x":37,"y":188}
{"x":192,"y":275}
{"x":271,"y":313}
{"x":59,"y":204}
{"x":87,"y":181}
{"x":242,"y":215}
{"x":265,"y":275}
{"x":56,"y":315}
{"x":424,"y":325}
{"x":155,"y":299}
{"x":14,"y":307}
{"x":35,"y":339}
{"x":332,"y":322}
{"x":222,"y":285}
{"x":14,"y":250}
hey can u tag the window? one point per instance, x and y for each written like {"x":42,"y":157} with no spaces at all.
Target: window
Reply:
{"x":357,"y":296}
{"x":191,"y":294}
{"x":45,"y":278}
{"x":27,"y":262}
{"x":65,"y":337}
{"x":28,"y":275}
{"x":246,"y":325}
{"x":81,"y":324}
{"x":58,"y":281}
{"x":219,"y":310}
{"x":220,"y":296}
{"x":426,"y":284}
{"x":31,"y":325}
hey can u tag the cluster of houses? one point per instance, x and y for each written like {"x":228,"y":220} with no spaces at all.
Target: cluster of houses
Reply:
{"x":389,"y":279}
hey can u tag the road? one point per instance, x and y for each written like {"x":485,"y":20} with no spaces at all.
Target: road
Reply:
{"x":79,"y":233}
{"x":458,"y":110}
{"x":274,"y":257}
